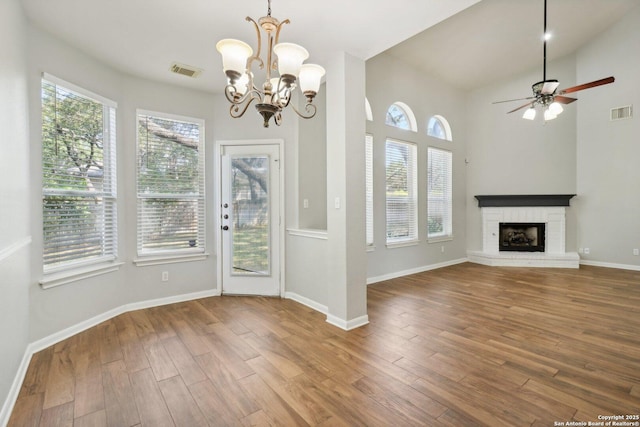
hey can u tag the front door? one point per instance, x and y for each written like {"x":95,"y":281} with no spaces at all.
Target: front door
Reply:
{"x":250,"y":219}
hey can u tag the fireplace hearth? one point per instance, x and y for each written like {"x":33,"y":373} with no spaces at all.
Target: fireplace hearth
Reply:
{"x":521,"y":237}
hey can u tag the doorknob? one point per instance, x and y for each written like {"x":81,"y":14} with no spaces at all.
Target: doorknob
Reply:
{"x":226,"y":216}
{"x":226,"y":205}
{"x":225,"y":227}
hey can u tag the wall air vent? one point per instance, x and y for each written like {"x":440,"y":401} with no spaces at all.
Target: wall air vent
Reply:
{"x":621,"y":113}
{"x":185,"y":70}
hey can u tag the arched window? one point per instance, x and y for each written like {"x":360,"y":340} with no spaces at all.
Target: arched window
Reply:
{"x":438,"y":127}
{"x":400,"y":115}
{"x":367,"y":109}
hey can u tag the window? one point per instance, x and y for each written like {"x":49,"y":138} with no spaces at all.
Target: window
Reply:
{"x":402,"y":183}
{"x":438,"y":127}
{"x":439,"y":193}
{"x":78,"y":176}
{"x":367,"y":109}
{"x":368,"y":141}
{"x":399,"y":115}
{"x":170,"y":182}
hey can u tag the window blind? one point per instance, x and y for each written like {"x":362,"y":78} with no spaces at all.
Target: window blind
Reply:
{"x":439,"y":193}
{"x":78,"y":176}
{"x":170,"y":184}
{"x":368,"y":144}
{"x":401,"y":192}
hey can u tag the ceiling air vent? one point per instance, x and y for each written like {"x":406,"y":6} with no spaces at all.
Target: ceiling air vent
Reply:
{"x":185,"y":70}
{"x":621,"y":113}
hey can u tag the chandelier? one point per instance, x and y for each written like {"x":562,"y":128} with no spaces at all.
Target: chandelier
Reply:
{"x":284,"y":59}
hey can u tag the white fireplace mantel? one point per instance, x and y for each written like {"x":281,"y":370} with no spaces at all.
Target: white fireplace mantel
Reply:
{"x":555,"y":254}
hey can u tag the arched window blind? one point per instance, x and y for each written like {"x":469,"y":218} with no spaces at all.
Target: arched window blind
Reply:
{"x":402,"y":197}
{"x":78,"y":176}
{"x":439,"y":193}
{"x":170,"y":183}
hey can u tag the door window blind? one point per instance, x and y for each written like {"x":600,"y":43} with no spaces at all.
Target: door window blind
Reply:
{"x":401,"y":192}
{"x":439,"y":193}
{"x":170,"y":184}
{"x":78,"y":176}
{"x":369,"y":188}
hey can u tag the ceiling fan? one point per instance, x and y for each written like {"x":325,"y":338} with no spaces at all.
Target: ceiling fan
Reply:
{"x":545,"y":93}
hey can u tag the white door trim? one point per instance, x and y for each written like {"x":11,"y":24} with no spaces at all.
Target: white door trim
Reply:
{"x":218,"y":201}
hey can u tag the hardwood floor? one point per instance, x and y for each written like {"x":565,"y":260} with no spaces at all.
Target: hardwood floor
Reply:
{"x":465,"y":345}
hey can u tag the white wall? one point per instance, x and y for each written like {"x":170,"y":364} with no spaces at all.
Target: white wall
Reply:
{"x":15,"y":234}
{"x":312,"y":166}
{"x":389,"y":81}
{"x":608,"y":153}
{"x":510,"y":155}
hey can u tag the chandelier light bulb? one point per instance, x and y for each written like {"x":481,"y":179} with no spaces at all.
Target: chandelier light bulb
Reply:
{"x":290,"y":58}
{"x":310,"y":77}
{"x":234,"y":55}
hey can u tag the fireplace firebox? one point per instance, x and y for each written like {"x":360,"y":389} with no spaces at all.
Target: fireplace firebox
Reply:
{"x":522,"y":237}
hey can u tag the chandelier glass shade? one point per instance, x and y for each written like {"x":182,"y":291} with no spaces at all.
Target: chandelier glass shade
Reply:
{"x":284,"y":68}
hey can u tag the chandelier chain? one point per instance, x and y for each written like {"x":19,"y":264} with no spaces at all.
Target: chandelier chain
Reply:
{"x":269,"y":8}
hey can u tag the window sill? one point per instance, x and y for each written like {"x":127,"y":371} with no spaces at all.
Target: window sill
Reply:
{"x":145,"y":261}
{"x":65,"y":277}
{"x":439,"y":239}
{"x":403,"y":244}
{"x":371,"y":248}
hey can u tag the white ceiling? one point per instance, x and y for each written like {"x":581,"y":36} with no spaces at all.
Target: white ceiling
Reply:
{"x":467,"y":43}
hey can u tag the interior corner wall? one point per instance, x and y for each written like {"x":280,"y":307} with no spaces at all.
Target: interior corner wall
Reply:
{"x":15,"y":234}
{"x":507,"y":154}
{"x":389,"y":81}
{"x":608,"y":151}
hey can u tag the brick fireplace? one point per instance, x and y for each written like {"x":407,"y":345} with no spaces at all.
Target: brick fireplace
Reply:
{"x":522,"y":213}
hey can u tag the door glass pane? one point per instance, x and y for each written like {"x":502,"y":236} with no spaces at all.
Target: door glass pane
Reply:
{"x":250,"y":225}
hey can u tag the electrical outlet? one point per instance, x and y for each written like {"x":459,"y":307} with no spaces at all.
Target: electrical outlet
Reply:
{"x":305,"y":203}
{"x":636,"y":252}
{"x":587,"y":251}
{"x":165,"y":276}
{"x":442,"y":249}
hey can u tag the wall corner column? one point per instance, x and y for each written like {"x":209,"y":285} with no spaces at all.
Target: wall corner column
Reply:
{"x":347,"y":261}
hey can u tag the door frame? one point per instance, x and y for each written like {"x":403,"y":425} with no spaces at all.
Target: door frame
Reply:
{"x":217,"y":211}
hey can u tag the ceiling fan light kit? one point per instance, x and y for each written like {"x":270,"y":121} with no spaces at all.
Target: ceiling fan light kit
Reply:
{"x":545,"y":93}
{"x":275,"y":93}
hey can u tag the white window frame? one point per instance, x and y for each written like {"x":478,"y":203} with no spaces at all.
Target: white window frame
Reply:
{"x":147,"y":256}
{"x":412,"y":124}
{"x":411,"y":199}
{"x":440,"y":203}
{"x":82,"y":266}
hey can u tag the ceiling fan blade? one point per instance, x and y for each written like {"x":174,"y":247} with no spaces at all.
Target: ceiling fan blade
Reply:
{"x":512,"y":100}
{"x":589,"y":85}
{"x":549,"y":87}
{"x":519,"y":108}
{"x":564,"y":99}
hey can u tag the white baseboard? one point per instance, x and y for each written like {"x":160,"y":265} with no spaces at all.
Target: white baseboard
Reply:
{"x":306,"y":301}
{"x":7,"y":407}
{"x":55,"y":338}
{"x":347,"y":325}
{"x":424,"y":268}
{"x":610,"y":265}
